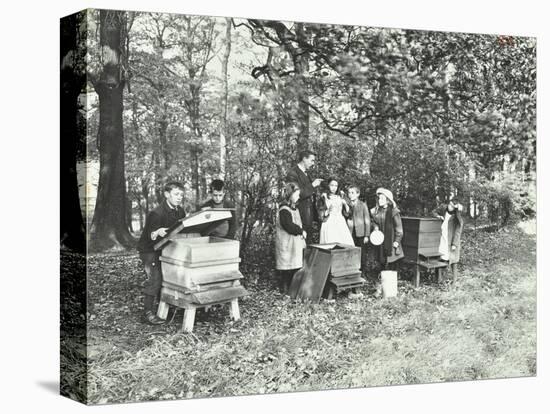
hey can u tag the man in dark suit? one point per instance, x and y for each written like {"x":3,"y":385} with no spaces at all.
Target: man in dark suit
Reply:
{"x":226,"y":228}
{"x":298,"y":174}
{"x":157,"y":223}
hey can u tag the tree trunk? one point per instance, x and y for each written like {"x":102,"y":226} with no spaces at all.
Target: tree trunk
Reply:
{"x":146,"y":195}
{"x":163,"y":143}
{"x":203,"y":187}
{"x":195,"y":160}
{"x":196,"y":149}
{"x":72,"y":230}
{"x":244,"y":231}
{"x":225,"y":94}
{"x":110,"y":227}
{"x":129,"y":215}
{"x":140,"y":212}
{"x":301,"y":66}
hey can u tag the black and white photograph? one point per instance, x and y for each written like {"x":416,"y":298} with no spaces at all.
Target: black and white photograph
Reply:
{"x":256,"y":206}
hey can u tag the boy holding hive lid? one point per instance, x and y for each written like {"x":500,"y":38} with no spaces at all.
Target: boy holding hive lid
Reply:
{"x":227,"y":228}
{"x":156,"y":226}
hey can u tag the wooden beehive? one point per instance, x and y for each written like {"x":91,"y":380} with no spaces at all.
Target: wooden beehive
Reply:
{"x":345,"y":273}
{"x":344,"y":259}
{"x":199,"y":271}
{"x":199,"y":263}
{"x":328,"y":267}
{"x":421,"y":237}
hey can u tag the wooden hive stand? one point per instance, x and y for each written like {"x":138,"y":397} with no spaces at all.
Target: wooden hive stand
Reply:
{"x":190,"y":302}
{"x":429,"y":264}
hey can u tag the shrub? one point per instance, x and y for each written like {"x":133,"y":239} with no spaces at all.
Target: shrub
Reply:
{"x":505,"y":201}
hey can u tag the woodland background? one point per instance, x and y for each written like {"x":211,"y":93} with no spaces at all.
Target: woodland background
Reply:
{"x":156,"y":97}
{"x":147,"y":98}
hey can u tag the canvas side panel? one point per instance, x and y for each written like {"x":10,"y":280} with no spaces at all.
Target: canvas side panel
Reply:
{"x":73,"y":344}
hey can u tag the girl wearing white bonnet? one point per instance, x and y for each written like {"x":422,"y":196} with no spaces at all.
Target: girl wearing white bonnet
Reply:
{"x":386,"y":218}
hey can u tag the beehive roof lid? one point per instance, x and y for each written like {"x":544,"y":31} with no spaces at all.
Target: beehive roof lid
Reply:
{"x":196,"y":223}
{"x":420,"y":218}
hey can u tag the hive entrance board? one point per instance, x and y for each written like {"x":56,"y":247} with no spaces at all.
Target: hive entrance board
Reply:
{"x":321,"y":261}
{"x":309,"y":281}
{"x":198,"y":223}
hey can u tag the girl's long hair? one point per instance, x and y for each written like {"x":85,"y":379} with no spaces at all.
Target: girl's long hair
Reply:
{"x":327,"y":186}
{"x":290,"y":188}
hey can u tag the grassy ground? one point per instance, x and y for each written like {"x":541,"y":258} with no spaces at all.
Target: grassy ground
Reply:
{"x":484,"y":327}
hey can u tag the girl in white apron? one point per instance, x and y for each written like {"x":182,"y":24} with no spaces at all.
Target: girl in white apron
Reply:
{"x":289,"y":238}
{"x":451,"y":232}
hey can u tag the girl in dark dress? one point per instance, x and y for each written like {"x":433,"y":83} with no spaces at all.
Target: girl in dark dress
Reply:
{"x":387,"y":219}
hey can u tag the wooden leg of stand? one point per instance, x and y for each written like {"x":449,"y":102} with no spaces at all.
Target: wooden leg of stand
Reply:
{"x":417,"y":276}
{"x":162,"y":311}
{"x":189,"y":318}
{"x":234,"y":312}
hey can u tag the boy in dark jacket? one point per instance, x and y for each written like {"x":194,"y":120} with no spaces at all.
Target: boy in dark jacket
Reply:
{"x":226,"y":228}
{"x":157,"y":224}
{"x":358,"y":219}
